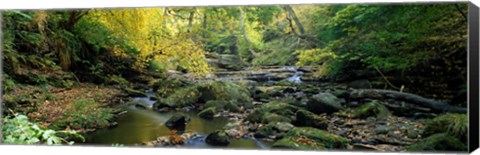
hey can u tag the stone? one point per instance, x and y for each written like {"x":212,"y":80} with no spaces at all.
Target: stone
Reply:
{"x":372,"y":109}
{"x":177,"y":121}
{"x":284,"y":126}
{"x":324,"y":103}
{"x":218,"y":138}
{"x":207,"y":113}
{"x":309,"y":119}
{"x":438,"y":142}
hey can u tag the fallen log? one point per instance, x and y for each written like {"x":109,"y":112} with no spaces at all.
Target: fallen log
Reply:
{"x":436,"y":106}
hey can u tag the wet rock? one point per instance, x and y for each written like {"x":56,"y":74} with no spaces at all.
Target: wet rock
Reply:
{"x":372,"y":109}
{"x":309,"y":119}
{"x":207,"y":113}
{"x":218,"y":138}
{"x":324,"y":103}
{"x":177,"y":121}
{"x":438,"y":142}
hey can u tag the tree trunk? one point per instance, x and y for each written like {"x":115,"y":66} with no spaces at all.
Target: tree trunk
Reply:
{"x":245,"y":32}
{"x":436,"y":106}
{"x":190,"y":19}
{"x":164,"y":24}
{"x":291,"y":12}
{"x":204,"y":26}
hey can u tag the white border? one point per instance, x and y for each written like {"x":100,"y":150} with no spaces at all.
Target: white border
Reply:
{"x":85,"y":150}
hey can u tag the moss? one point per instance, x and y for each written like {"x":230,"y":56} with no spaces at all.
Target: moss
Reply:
{"x":454,"y":124}
{"x":438,"y":142}
{"x":372,"y":109}
{"x":207,"y":113}
{"x":329,"y":140}
{"x":307,"y":118}
{"x":224,"y":90}
{"x":273,"y":112}
{"x":183,"y":97}
{"x":219,"y":104}
{"x":273,"y":117}
{"x":293,"y":143}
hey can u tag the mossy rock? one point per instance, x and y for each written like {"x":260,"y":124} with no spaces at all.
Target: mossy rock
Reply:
{"x":454,"y":124}
{"x":225,"y":91}
{"x":223,"y":105}
{"x":309,"y":119}
{"x":329,"y":140}
{"x":218,"y":104}
{"x":273,"y":117}
{"x":218,"y":138}
{"x":273,"y":112}
{"x":438,"y":142}
{"x":166,"y":86}
{"x":374,"y":109}
{"x":324,"y":103}
{"x":280,"y":108}
{"x":265,"y":130}
{"x":231,"y":106}
{"x":294,"y":143}
{"x":183,"y":97}
{"x":207,"y":113}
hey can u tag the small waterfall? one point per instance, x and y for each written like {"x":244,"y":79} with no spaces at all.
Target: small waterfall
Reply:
{"x":296,"y":77}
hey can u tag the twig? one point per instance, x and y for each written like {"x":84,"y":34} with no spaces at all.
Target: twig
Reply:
{"x":386,"y":80}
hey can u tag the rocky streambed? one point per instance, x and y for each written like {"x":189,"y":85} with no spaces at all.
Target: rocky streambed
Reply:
{"x":248,"y":111}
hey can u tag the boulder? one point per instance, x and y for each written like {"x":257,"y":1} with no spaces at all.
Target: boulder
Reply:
{"x":455,"y":125}
{"x":309,"y":119}
{"x":312,"y":139}
{"x":372,"y":109}
{"x":218,"y":138}
{"x":324,"y":103}
{"x":438,"y":142}
{"x":177,"y":121}
{"x":207,"y":113}
{"x":284,"y":126}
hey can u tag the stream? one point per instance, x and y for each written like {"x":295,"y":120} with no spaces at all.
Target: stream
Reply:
{"x":141,"y":125}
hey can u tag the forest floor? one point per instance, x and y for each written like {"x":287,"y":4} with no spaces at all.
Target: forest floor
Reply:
{"x":49,"y":104}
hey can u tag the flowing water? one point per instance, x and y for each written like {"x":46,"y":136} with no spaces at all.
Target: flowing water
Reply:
{"x":141,"y":125}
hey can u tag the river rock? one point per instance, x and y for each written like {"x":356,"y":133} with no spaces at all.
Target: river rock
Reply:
{"x":218,"y":138}
{"x":284,"y":126}
{"x":207,"y":113}
{"x":313,"y":139}
{"x":309,"y":119}
{"x":324,"y":103}
{"x":177,"y":121}
{"x":453,"y":124}
{"x":438,"y":142}
{"x":374,"y":109}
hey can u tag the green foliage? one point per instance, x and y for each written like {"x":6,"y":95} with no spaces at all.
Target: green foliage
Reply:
{"x":453,"y":124}
{"x":18,"y":130}
{"x":364,"y":36}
